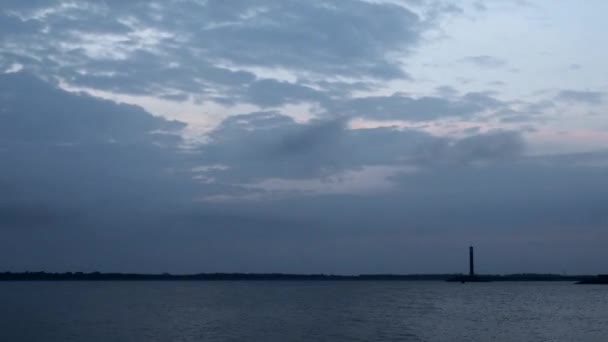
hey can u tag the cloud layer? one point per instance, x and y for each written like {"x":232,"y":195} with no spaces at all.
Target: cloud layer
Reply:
{"x":335,"y":149}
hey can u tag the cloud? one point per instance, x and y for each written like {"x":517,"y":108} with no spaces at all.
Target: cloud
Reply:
{"x":577,"y":96}
{"x":193,"y":48}
{"x":269,"y":93}
{"x":93,"y":184}
{"x":257,"y":147}
{"x":13,"y":215}
{"x":345,"y":39}
{"x":491,"y":146}
{"x":92,"y":193}
{"x":426,"y":108}
{"x":480,"y":6}
{"x":71,"y":152}
{"x":485,"y":61}
{"x":501,"y":206}
{"x":44,"y":116}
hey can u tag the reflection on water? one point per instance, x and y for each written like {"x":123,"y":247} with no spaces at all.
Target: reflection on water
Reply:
{"x":302,"y":311}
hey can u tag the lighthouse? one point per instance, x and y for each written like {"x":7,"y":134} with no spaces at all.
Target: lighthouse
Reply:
{"x":471,"y":262}
{"x":471,"y":277}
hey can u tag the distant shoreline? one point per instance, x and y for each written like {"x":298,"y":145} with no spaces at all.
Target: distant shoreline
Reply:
{"x":97,"y":276}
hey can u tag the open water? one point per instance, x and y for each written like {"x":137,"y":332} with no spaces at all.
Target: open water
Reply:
{"x":302,"y":311}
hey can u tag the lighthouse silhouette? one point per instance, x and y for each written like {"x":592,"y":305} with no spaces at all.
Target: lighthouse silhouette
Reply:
{"x":471,"y":262}
{"x":471,"y":277}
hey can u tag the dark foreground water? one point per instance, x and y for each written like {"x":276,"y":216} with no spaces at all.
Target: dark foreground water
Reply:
{"x":301,"y":311}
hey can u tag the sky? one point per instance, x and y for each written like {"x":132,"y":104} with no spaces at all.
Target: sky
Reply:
{"x":317,"y":136}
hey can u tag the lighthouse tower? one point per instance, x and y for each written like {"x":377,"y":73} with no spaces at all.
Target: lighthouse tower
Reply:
{"x":471,"y":262}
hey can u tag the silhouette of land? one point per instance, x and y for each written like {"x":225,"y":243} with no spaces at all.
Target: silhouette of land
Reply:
{"x":470,"y":278}
{"x":97,"y":276}
{"x":600,"y":279}
{"x":463,"y":278}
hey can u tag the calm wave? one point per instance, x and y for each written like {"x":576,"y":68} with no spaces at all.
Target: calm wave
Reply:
{"x":301,"y":311}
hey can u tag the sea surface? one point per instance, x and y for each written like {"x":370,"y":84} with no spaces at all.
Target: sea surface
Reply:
{"x":302,"y":311}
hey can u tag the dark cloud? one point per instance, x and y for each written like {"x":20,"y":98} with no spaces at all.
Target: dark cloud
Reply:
{"x":269,"y":145}
{"x":107,"y":193}
{"x":182,"y":50}
{"x":43,"y":116}
{"x":490,"y":147}
{"x":480,"y":6}
{"x":182,"y":47}
{"x":500,"y":207}
{"x":15,"y":216}
{"x":577,"y":96}
{"x":497,"y":83}
{"x":345,"y":39}
{"x":427,"y":108}
{"x":11,"y":25}
{"x":90,"y":184}
{"x":485,"y":61}
{"x":269,"y":93}
{"x":446,"y":91}
{"x":72,"y":151}
{"x":343,"y":89}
